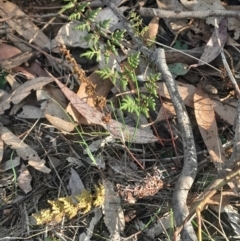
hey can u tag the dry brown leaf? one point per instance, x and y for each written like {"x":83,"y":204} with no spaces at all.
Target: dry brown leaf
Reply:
{"x":113,"y":213}
{"x":86,"y":236}
{"x":118,"y":130}
{"x":186,"y":91}
{"x":24,"y":179}
{"x":23,"y":150}
{"x":21,"y":70}
{"x":226,"y":112}
{"x":23,"y":26}
{"x":35,"y":69}
{"x":54,"y":108}
{"x":24,"y":90}
{"x":15,"y":61}
{"x":74,"y":113}
{"x":56,"y":115}
{"x":18,"y":44}
{"x":205,"y":118}
{"x":103,"y":87}
{"x":167,"y":110}
{"x":152,"y":28}
{"x":7,"y":51}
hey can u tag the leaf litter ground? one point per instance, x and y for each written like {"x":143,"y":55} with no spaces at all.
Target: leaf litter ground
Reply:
{"x":50,"y":163}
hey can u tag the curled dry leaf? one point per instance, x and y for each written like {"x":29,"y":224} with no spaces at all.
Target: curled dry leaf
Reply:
{"x":24,"y":179}
{"x":205,"y":118}
{"x":23,"y":26}
{"x":23,"y":150}
{"x":24,"y":90}
{"x":117,"y":129}
{"x":152,"y":29}
{"x":172,"y":24}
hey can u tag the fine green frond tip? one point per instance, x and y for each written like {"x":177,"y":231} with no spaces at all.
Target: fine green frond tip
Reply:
{"x":81,"y":7}
{"x":68,"y":6}
{"x":91,"y":15}
{"x":134,"y":60}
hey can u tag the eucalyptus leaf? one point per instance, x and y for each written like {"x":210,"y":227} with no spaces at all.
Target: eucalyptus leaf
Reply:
{"x":178,"y":68}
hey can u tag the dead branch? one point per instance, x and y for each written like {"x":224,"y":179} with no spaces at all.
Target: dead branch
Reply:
{"x":150,"y":12}
{"x":189,"y":171}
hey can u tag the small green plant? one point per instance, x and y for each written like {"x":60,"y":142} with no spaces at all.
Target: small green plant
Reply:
{"x":98,"y":33}
{"x":3,"y":80}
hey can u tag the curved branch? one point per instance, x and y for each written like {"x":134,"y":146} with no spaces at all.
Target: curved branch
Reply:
{"x":189,"y":171}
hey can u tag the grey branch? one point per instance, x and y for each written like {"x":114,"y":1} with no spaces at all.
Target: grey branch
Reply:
{"x":188,"y":14}
{"x":189,"y":171}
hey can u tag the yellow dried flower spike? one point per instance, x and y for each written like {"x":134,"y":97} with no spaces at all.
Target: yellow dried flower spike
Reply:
{"x":84,"y":201}
{"x":69,"y":207}
{"x":45,"y":216}
{"x":100,"y":196}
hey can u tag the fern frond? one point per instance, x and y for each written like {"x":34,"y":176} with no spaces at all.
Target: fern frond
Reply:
{"x":91,"y":15}
{"x":68,"y":6}
{"x":81,"y":7}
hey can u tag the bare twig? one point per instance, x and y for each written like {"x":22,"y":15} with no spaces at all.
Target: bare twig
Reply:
{"x":190,"y":14}
{"x":189,"y":171}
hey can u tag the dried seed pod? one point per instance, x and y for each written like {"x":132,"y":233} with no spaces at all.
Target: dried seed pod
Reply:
{"x":210,"y":89}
